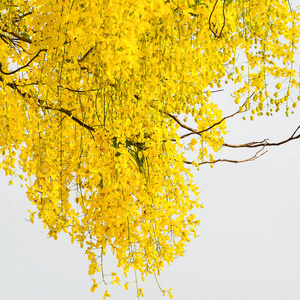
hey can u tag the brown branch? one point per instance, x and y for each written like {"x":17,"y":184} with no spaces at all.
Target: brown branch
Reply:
{"x":265,"y":143}
{"x":22,"y":16}
{"x":85,"y":55}
{"x":69,"y":113}
{"x":15,"y":87}
{"x":79,"y":91}
{"x":25,"y":66}
{"x":224,"y":20}
{"x":194,"y":131}
{"x":257,"y":155}
{"x":3,"y":38}
{"x":215,"y":91}
{"x":214,"y":125}
{"x":17,"y":35}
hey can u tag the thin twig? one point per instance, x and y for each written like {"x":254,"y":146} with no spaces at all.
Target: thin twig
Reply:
{"x":17,"y":35}
{"x":224,"y":20}
{"x":194,"y":131}
{"x":25,"y":66}
{"x":3,"y":38}
{"x":69,"y":113}
{"x":214,"y":125}
{"x":257,"y":155}
{"x":22,"y":16}
{"x":79,"y":91}
{"x":215,"y":91}
{"x":85,"y":55}
{"x":40,"y":103}
{"x":264,"y":142}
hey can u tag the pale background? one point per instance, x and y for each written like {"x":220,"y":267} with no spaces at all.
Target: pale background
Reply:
{"x":248,"y":248}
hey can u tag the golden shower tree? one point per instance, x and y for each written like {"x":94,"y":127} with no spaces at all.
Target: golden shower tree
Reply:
{"x":93,"y":93}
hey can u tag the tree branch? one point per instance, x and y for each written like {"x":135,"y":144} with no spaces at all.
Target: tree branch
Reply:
{"x":17,"y":70}
{"x":79,"y":91}
{"x":69,"y":113}
{"x":257,"y":155}
{"x":85,"y":55}
{"x":194,"y":131}
{"x":17,"y":35}
{"x":15,"y":87}
{"x":214,"y":125}
{"x":216,"y":91}
{"x":3,"y":38}
{"x":265,"y":143}
{"x":216,"y":34}
{"x":22,"y":16}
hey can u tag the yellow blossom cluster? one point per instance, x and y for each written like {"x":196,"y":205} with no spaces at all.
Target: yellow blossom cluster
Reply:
{"x":92,"y":93}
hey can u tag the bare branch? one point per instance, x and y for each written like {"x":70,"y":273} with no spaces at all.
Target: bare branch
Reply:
{"x":17,"y":70}
{"x":265,"y":143}
{"x":216,"y":91}
{"x":257,"y":155}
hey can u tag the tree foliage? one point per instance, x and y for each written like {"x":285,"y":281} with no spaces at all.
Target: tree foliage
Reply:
{"x":93,"y":94}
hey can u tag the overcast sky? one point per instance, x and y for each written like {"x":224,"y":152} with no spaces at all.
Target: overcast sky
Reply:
{"x":248,"y":245}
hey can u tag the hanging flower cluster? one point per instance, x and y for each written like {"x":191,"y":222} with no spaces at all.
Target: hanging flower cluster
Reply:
{"x":90,"y":91}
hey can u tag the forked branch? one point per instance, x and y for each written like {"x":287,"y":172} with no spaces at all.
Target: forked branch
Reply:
{"x":194,"y":131}
{"x":265,"y":142}
{"x":254,"y":157}
{"x":215,"y":33}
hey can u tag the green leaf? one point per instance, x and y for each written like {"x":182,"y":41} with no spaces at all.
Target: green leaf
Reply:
{"x":26,"y":35}
{"x":228,"y":2}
